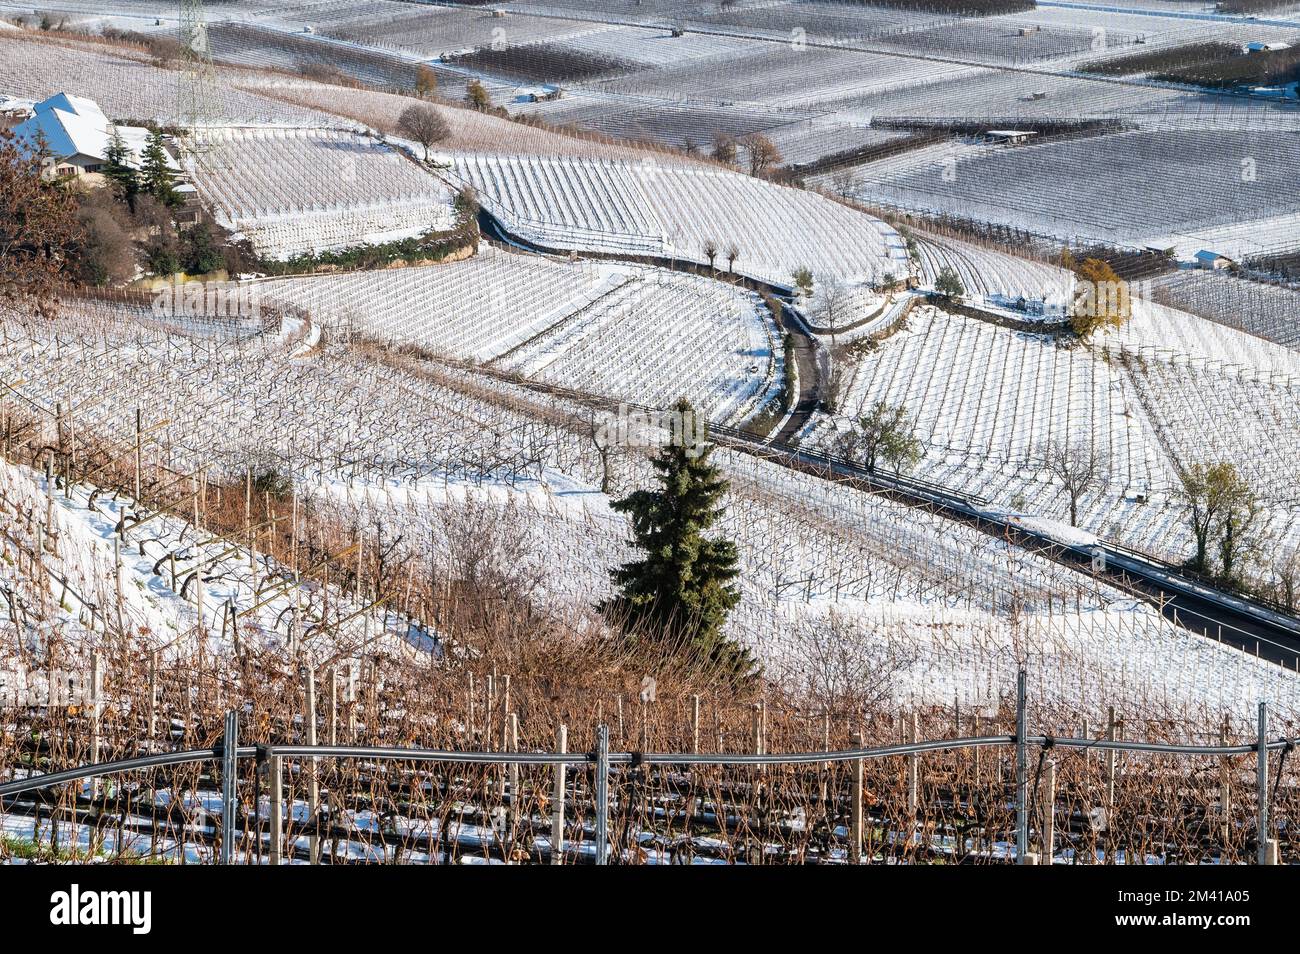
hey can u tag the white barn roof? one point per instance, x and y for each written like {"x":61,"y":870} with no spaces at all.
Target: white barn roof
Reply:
{"x":74,"y":126}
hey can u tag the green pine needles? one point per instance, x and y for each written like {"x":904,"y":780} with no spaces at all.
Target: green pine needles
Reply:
{"x":683,"y":588}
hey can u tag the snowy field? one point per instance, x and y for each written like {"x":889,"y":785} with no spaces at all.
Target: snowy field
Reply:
{"x":649,"y":208}
{"x":995,"y":277}
{"x":297,"y":191}
{"x":126,"y":84}
{"x":1269,"y":311}
{"x":824,"y":566}
{"x":644,"y":335}
{"x":1166,"y":391}
{"x":1163,"y":190}
{"x":344,"y":398}
{"x":182,"y":591}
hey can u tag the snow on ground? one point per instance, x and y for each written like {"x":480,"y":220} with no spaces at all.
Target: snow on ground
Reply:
{"x":653,"y":208}
{"x":995,"y":278}
{"x":167,"y":574}
{"x":300,"y":191}
{"x":1165,"y":391}
{"x":825,"y":568}
{"x":645,"y":335}
{"x":126,"y":83}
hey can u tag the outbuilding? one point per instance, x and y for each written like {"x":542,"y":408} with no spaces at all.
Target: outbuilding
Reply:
{"x":1260,"y":46}
{"x":1009,"y":137}
{"x":1211,"y":260}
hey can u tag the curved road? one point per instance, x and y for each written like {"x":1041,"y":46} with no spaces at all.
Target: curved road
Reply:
{"x":809,"y":357}
{"x":1191,"y":603}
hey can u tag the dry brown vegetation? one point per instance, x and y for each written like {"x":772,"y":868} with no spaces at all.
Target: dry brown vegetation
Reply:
{"x":507,"y":678}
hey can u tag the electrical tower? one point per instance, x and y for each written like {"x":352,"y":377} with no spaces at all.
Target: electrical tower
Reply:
{"x":197,"y":103}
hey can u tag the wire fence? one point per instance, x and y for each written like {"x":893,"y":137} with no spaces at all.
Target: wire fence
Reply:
{"x":272,"y":761}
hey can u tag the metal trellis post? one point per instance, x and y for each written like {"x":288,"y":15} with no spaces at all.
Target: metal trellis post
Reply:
{"x":229,"y":757}
{"x":1022,"y":779}
{"x":1261,"y":785}
{"x":602,"y":795}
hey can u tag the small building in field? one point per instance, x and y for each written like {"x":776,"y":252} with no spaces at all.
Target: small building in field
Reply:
{"x":76,"y":135}
{"x":1260,"y":46}
{"x":537,"y":94}
{"x":1211,"y":260}
{"x":1009,"y":137}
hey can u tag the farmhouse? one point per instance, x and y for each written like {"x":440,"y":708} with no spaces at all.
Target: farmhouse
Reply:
{"x":538,"y":94}
{"x":76,"y":134}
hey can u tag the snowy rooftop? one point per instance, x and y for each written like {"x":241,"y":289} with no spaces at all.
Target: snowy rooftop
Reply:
{"x":76,"y":126}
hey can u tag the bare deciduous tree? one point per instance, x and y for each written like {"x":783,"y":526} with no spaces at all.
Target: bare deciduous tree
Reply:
{"x":762,"y":153}
{"x":711,"y":251}
{"x":847,"y":666}
{"x":1080,"y":467}
{"x":724,"y":149}
{"x":832,"y":304}
{"x":425,"y":125}
{"x":38,"y":227}
{"x":845,"y":183}
{"x":607,"y":449}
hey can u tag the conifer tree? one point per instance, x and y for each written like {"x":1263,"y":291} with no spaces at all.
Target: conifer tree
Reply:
{"x":117,"y":168}
{"x":156,"y":176}
{"x":682,"y":588}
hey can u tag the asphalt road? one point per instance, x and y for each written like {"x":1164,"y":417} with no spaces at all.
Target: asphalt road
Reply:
{"x":1189,"y":602}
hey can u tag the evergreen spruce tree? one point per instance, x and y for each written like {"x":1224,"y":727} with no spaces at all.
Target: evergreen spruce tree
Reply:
{"x":156,"y":175}
{"x":117,"y":168}
{"x":682,"y":587}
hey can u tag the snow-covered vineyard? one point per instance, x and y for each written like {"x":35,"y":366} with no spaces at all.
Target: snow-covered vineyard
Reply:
{"x":1167,"y":391}
{"x":652,"y":208}
{"x":1226,"y":185}
{"x":1262,"y":309}
{"x":995,"y":276}
{"x":343,"y":422}
{"x":645,"y":335}
{"x":388,"y":445}
{"x":186,"y":592}
{"x":298,"y":191}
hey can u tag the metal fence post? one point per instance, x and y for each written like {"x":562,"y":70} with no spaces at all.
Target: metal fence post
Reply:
{"x":1261,"y":786}
{"x":857,"y":824}
{"x":1225,"y":787}
{"x":602,"y":795}
{"x":313,"y":784}
{"x":96,"y":714}
{"x":1047,"y":835}
{"x":229,"y":751}
{"x":277,"y":810}
{"x":557,"y":818}
{"x":1022,"y":775}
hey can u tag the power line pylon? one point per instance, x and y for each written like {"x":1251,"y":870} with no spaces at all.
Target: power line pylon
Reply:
{"x":198,"y":106}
